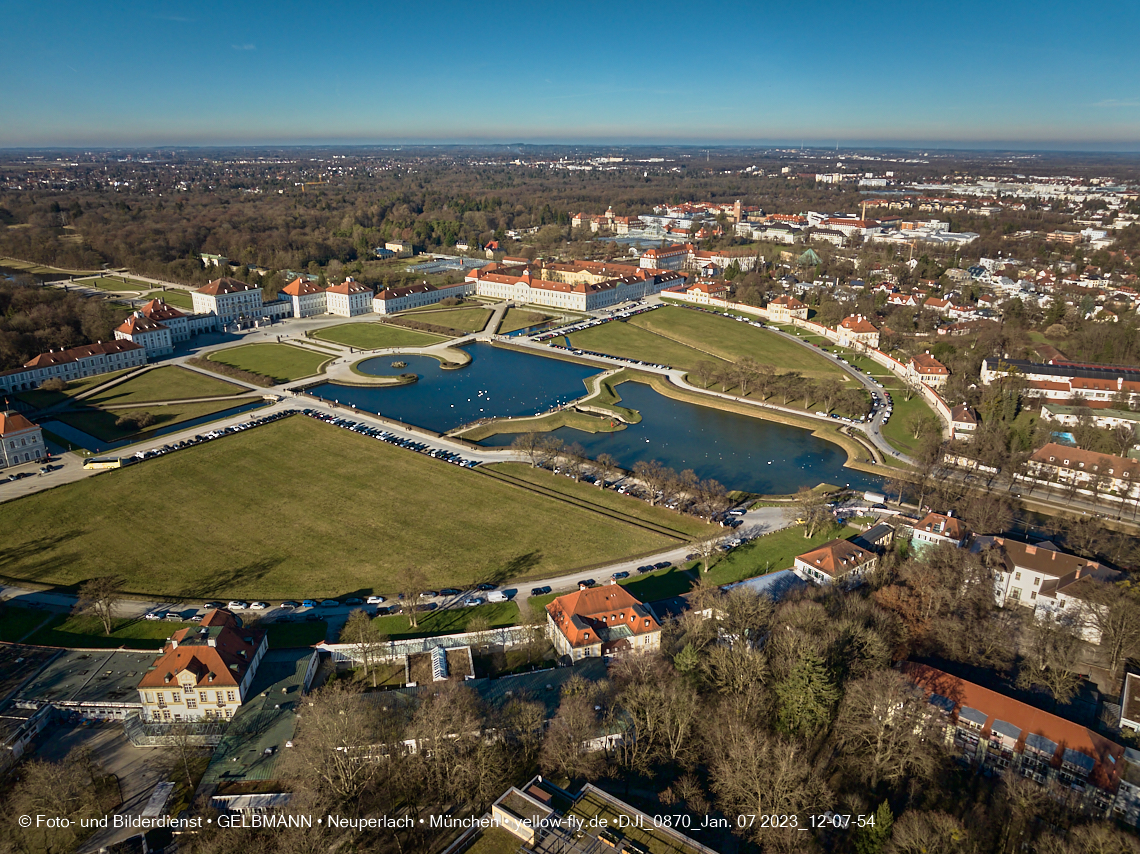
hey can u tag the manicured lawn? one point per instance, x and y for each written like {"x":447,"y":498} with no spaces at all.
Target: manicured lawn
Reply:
{"x":520,"y":318}
{"x":607,"y":498}
{"x":298,"y":508}
{"x":176,"y":298}
{"x":732,"y":340}
{"x":280,"y":362}
{"x":286,"y":635}
{"x":15,"y":622}
{"x":374,"y":336}
{"x":495,"y":840}
{"x":662,"y":584}
{"x":448,"y":620}
{"x":459,"y":319}
{"x":166,"y":383}
{"x":100,"y":423}
{"x":630,"y":341}
{"x":88,"y":632}
{"x":896,"y":431}
{"x":115,"y":283}
{"x":770,"y":553}
{"x":43,"y":399}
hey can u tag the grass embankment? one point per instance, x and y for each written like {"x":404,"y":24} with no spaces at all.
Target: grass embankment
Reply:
{"x":114,"y":283}
{"x":16,"y":622}
{"x":289,"y":635}
{"x":447,"y":621}
{"x":897,"y":431}
{"x":376,"y":336}
{"x":43,"y":399}
{"x":166,"y":383}
{"x":771,"y":553}
{"x":462,"y":320}
{"x":298,"y":509}
{"x":101,"y":424}
{"x":88,"y":632}
{"x":176,"y":298}
{"x":521,"y":318}
{"x":280,"y":363}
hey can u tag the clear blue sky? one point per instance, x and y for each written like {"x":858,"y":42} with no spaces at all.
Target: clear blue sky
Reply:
{"x":1029,"y":74}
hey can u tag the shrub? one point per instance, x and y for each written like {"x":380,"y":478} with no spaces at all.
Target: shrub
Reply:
{"x":54,"y":384}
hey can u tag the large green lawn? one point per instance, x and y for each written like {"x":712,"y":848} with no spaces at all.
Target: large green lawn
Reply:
{"x":88,"y":632}
{"x":42,"y":399}
{"x":447,"y":621}
{"x":770,"y":553}
{"x":176,"y":298}
{"x":297,"y":509}
{"x":897,"y":431}
{"x":375,"y":336}
{"x":630,"y":341}
{"x":115,"y":283}
{"x":732,"y":340}
{"x":101,"y":423}
{"x":520,"y":318}
{"x":459,"y":319}
{"x":280,"y":362}
{"x":167,"y":383}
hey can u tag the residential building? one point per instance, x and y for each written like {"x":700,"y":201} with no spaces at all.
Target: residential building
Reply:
{"x":21,"y":441}
{"x":927,"y":370}
{"x":785,"y":308}
{"x":1053,"y":584}
{"x":402,"y":248}
{"x":857,"y":329}
{"x":229,"y":299}
{"x":1105,"y":475}
{"x":74,"y":364}
{"x":936,"y":529}
{"x":963,"y":422}
{"x":673,"y":257}
{"x":1097,"y":386}
{"x":705,"y":292}
{"x":349,"y":299}
{"x":152,"y":336}
{"x":393,"y":300}
{"x":604,"y":620}
{"x":1005,"y":736}
{"x":181,"y":325}
{"x":306,"y":298}
{"x":203,"y":672}
{"x":835,"y":562}
{"x":1130,"y":703}
{"x":1107,"y":419}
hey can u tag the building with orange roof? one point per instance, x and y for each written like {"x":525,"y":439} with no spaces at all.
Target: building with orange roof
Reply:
{"x":835,"y":562}
{"x":857,"y":329}
{"x":786,"y":308}
{"x":348,"y":299}
{"x":229,"y":299}
{"x":935,"y":529}
{"x":964,"y":422}
{"x":306,"y":298}
{"x":1105,"y":475}
{"x":203,"y":672}
{"x":667,"y":257}
{"x":605,"y":620}
{"x":705,"y":292}
{"x":927,"y":370}
{"x":152,"y":336}
{"x":74,"y":364}
{"x":527,"y":284}
{"x":1006,"y":736}
{"x":180,"y":324}
{"x":21,"y":441}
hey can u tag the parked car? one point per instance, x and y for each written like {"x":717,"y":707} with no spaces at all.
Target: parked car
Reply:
{"x":496,"y":596}
{"x":309,"y":603}
{"x":539,"y":591}
{"x":330,"y":603}
{"x":374,"y":600}
{"x":155,"y":615}
{"x":485,"y":586}
{"x":259,"y":606}
{"x":210,"y":606}
{"x":693,"y":556}
{"x":472,"y":601}
{"x":588,"y":582}
{"x":289,"y":604}
{"x":450,"y":591}
{"x":312,"y":618}
{"x":354,"y":601}
{"x":237,"y":605}
{"x":665,"y":564}
{"x":617,"y":576}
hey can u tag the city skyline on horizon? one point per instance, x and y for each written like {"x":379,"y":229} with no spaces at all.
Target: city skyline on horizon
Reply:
{"x":1044,"y":77}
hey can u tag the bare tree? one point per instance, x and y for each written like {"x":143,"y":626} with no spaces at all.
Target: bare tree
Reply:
{"x":367,"y":642}
{"x":654,"y":476}
{"x":706,"y":547}
{"x":1113,"y":612}
{"x":529,"y":444}
{"x":549,"y":448}
{"x":1051,"y":660}
{"x":574,"y":461}
{"x":411,"y":586}
{"x":60,"y":790}
{"x":566,"y":747}
{"x":99,"y":597}
{"x":810,"y":506}
{"x":746,"y":371}
{"x":710,"y":498}
{"x":706,"y":371}
{"x":935,"y":832}
{"x":606,"y":467}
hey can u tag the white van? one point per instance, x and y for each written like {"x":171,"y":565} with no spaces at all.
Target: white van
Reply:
{"x":496,"y":596}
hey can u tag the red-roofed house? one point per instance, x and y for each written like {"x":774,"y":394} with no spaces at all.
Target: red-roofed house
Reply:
{"x":349,"y":299}
{"x":307,"y":298}
{"x":74,"y":364}
{"x":707,"y":291}
{"x":858,"y":329}
{"x":964,"y":422}
{"x":836,"y":562}
{"x":937,"y":529}
{"x":787,"y":307}
{"x":230,"y":299}
{"x":204,"y":672}
{"x":927,"y":370}
{"x":21,"y":441}
{"x":1003,"y":734}
{"x":604,"y":620}
{"x":152,"y":336}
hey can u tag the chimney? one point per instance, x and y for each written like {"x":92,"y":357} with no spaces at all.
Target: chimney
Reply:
{"x":1031,"y":550}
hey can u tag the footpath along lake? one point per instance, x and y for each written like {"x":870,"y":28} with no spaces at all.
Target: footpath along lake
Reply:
{"x":742,"y":453}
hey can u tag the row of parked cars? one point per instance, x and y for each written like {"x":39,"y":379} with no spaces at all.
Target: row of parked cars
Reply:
{"x":206,"y":437}
{"x":598,"y":321}
{"x":392,"y":438}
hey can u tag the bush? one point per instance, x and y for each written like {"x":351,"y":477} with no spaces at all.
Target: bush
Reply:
{"x":1057,"y":330}
{"x":451,"y":301}
{"x":134,"y":421}
{"x":54,"y":384}
{"x":231,"y":372}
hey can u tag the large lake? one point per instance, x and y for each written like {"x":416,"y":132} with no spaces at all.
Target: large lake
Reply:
{"x":741,"y":452}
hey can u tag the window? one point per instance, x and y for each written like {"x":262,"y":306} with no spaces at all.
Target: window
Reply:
{"x":202,"y":696}
{"x":230,"y":696}
{"x":1015,"y":593}
{"x":1033,"y":595}
{"x":1017,"y":576}
{"x":175,"y":697}
{"x":191,"y":703}
{"x":1036,"y":581}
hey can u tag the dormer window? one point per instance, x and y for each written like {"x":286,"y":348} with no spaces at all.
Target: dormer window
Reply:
{"x":585,"y":635}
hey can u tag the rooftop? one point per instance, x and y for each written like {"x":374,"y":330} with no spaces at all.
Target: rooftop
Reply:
{"x":90,"y":677}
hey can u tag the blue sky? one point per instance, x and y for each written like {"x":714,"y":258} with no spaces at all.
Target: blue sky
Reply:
{"x":1019,"y":74}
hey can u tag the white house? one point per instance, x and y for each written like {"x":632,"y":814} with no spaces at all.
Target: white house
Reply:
{"x":229,"y":299}
{"x":21,"y":441}
{"x":348,"y":299}
{"x":307,"y":298}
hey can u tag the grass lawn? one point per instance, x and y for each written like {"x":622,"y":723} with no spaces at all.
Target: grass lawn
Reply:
{"x":607,"y":498}
{"x":296,"y":509}
{"x":100,"y":423}
{"x":495,"y":840}
{"x":629,"y":341}
{"x":732,"y":340}
{"x":280,"y":362}
{"x":15,"y":622}
{"x":286,"y":635}
{"x":167,"y":383}
{"x":662,"y":584}
{"x":896,"y":431}
{"x":447,"y":621}
{"x":41,"y":399}
{"x":459,"y":319}
{"x":520,"y":318}
{"x":770,"y":553}
{"x":374,"y":336}
{"x":114,"y":283}
{"x":176,"y":298}
{"x":88,"y":632}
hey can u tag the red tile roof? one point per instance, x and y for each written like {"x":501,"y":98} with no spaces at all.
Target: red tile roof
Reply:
{"x":585,"y":617}
{"x":225,"y":285}
{"x":14,"y":422}
{"x":60,"y":357}
{"x":947,"y":526}
{"x":924,"y":363}
{"x":349,"y":288}
{"x":218,"y":653}
{"x":135,"y":325}
{"x":158,"y":310}
{"x":858,"y":324}
{"x":836,"y":558}
{"x":302,"y":288}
